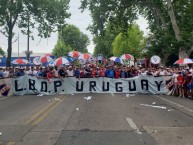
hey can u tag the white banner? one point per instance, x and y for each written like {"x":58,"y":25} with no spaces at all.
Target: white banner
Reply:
{"x":5,"y":85}
{"x":140,"y":84}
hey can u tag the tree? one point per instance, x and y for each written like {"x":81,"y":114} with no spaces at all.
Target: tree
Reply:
{"x":2,"y":52}
{"x":103,"y":43}
{"x":61,"y":49}
{"x":45,"y":15}
{"x":132,"y":43}
{"x":73,"y":37}
{"x":170,"y":21}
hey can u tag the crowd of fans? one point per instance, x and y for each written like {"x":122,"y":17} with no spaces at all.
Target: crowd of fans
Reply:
{"x":182,"y":76}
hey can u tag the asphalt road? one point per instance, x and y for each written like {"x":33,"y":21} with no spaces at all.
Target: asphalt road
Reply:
{"x":105,"y":119}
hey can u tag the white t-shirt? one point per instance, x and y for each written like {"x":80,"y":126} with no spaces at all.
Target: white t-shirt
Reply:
{"x":55,"y":73}
{"x":27,"y":72}
{"x":34,"y":72}
{"x":70,"y":73}
{"x":162,"y":73}
{"x":175,"y":77}
{"x":5,"y":74}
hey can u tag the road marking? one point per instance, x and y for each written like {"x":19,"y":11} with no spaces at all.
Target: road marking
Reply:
{"x":43,"y":110}
{"x":11,"y":143}
{"x":153,"y":106}
{"x":40,"y":112}
{"x":47,"y":112}
{"x":133,"y":125}
{"x":3,"y":98}
{"x":175,"y":103}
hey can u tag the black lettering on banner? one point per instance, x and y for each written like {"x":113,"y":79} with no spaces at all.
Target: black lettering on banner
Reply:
{"x":158,"y":85}
{"x":56,"y":85}
{"x":132,"y":88}
{"x":32,"y":84}
{"x":44,"y":86}
{"x":16,"y":87}
{"x":92,"y":86}
{"x":107,"y":88}
{"x":77,"y":86}
{"x":118,"y":89}
{"x":144,"y":84}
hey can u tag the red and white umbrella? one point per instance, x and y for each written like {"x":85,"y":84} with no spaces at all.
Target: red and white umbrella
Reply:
{"x":184,"y":61}
{"x":115,"y":59}
{"x":62,"y":60}
{"x":84,"y":56}
{"x":127,"y":57}
{"x":20,"y":61}
{"x":45,"y":58}
{"x":74,"y":54}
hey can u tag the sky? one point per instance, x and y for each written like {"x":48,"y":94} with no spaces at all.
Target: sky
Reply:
{"x":81,"y":20}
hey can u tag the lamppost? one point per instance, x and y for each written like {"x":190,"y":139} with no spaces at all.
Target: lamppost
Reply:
{"x":28,"y":53}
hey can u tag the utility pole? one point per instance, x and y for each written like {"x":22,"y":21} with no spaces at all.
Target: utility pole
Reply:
{"x":27,"y":52}
{"x":28,"y":55}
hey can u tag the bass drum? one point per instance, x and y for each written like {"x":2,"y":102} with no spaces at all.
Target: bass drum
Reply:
{"x":36,"y":61}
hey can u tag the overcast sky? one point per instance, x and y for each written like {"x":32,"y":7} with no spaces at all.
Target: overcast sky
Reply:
{"x":81,"y":20}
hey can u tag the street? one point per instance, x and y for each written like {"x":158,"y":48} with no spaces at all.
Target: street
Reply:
{"x":96,"y":119}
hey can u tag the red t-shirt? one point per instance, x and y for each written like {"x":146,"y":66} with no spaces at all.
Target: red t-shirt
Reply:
{"x":188,"y":78}
{"x":81,"y":74}
{"x":94,"y":73}
{"x":117,"y":74}
{"x":102,"y":72}
{"x":180,"y":79}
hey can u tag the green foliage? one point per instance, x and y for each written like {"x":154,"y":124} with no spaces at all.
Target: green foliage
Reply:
{"x":73,"y":37}
{"x":133,"y":43}
{"x":164,"y":35}
{"x":2,"y":52}
{"x":61,"y":49}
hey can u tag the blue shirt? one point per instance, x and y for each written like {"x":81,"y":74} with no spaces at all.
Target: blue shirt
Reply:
{"x":123,"y":74}
{"x":1,"y":74}
{"x":107,"y":73}
{"x":77,"y":73}
{"x":111,"y":73}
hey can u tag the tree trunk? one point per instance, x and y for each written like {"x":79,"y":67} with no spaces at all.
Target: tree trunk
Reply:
{"x":9,"y":50}
{"x":182,"y":49}
{"x":161,"y":18}
{"x":164,"y":59}
{"x":182,"y":52}
{"x":173,"y":20}
{"x":190,"y":51}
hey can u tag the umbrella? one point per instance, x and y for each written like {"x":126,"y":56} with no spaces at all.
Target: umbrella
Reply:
{"x":115,"y":59}
{"x":82,"y":61}
{"x":45,"y":58}
{"x":92,"y":59}
{"x":84,"y":56}
{"x":70,"y":58}
{"x":62,"y":60}
{"x":20,"y":61}
{"x":184,"y":61}
{"x":127,"y":57}
{"x":74,"y":54}
{"x":51,"y":63}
